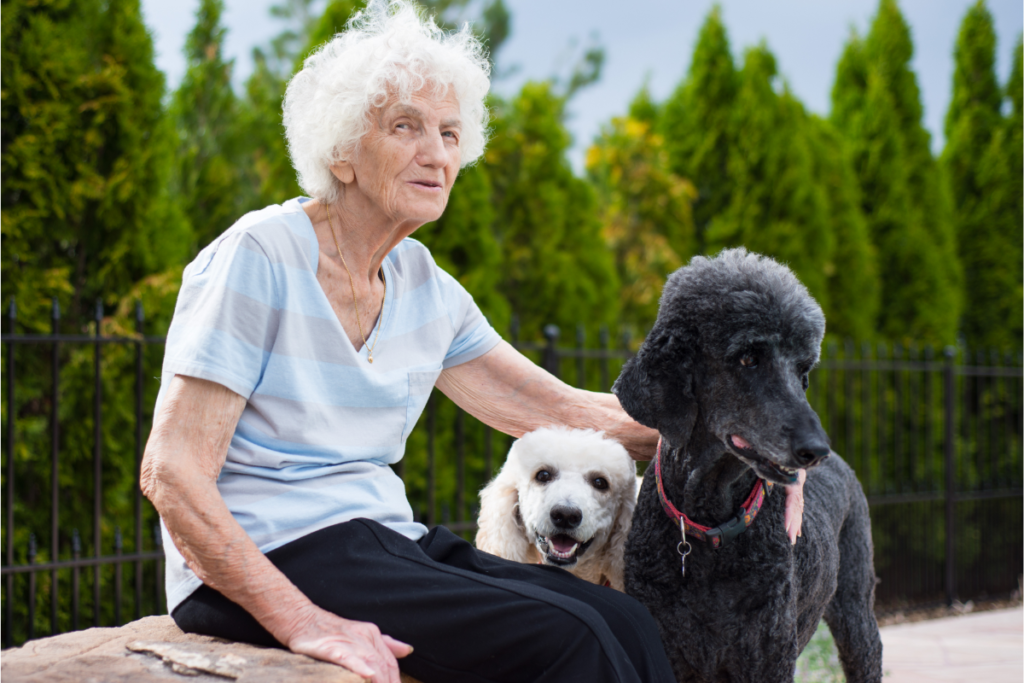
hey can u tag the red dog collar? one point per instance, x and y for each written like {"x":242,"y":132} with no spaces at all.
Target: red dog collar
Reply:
{"x":719,"y":535}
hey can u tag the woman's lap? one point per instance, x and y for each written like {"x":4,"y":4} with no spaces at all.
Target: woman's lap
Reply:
{"x":469,"y":615}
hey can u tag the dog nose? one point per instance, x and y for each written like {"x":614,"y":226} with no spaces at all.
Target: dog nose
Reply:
{"x":566,"y":517}
{"x":811,"y":453}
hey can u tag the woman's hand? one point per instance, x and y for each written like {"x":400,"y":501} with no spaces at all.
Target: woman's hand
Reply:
{"x":795,"y":506}
{"x":356,"y":645}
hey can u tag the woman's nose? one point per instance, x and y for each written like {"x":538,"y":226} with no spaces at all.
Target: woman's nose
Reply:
{"x":432,"y":150}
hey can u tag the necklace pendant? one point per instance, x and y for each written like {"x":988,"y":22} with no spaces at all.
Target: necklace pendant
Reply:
{"x":370,"y":358}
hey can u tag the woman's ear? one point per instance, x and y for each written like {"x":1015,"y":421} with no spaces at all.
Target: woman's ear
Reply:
{"x":344,"y":172}
{"x":499,"y":526}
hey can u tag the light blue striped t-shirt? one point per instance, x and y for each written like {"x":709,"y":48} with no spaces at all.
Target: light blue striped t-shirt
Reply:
{"x":321,"y":424}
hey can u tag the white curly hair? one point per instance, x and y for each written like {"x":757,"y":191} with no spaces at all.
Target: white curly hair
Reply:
{"x":389,"y":50}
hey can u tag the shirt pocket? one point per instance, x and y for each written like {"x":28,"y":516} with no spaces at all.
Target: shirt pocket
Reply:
{"x":421,"y":383}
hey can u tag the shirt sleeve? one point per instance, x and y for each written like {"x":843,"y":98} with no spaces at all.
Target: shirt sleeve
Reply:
{"x":226,"y":317}
{"x":474,"y":336}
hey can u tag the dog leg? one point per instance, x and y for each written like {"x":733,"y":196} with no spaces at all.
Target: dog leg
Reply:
{"x":850,"y":615}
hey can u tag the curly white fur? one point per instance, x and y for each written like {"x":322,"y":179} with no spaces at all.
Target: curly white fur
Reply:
{"x":388,"y":51}
{"x":516,"y":508}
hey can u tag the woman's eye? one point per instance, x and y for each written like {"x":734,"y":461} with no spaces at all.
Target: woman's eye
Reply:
{"x":599,"y":483}
{"x":749,"y":361}
{"x":543,"y":476}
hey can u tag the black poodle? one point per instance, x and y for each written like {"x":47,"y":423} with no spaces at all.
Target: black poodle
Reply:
{"x":722,"y":377}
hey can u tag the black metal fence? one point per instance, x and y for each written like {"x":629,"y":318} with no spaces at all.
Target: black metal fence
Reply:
{"x":935,"y":439}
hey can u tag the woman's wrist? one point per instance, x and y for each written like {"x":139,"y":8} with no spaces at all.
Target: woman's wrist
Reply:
{"x":607,"y":415}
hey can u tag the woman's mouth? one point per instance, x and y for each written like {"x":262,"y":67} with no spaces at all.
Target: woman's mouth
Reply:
{"x":428,"y":185}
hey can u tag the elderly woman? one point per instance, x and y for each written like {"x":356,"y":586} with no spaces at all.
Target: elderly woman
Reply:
{"x":305,"y":342}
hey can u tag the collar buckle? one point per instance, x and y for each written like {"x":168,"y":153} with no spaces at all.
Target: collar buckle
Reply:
{"x":721,"y":535}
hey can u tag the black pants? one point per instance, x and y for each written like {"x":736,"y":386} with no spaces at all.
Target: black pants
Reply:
{"x":469,"y":615}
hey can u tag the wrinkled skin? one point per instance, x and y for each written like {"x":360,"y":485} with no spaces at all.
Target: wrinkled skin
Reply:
{"x":722,"y":377}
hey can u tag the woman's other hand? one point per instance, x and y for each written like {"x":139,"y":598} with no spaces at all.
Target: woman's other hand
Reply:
{"x":795,"y":506}
{"x":358,"y":646}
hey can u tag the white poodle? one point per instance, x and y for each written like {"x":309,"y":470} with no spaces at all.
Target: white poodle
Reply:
{"x":564,"y":497}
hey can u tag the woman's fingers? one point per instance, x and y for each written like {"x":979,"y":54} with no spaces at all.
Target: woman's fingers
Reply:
{"x":355,"y":645}
{"x":397,"y":647}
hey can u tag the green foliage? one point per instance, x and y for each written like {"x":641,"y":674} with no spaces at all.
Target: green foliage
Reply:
{"x":697,"y":124}
{"x":86,"y":151}
{"x":463,"y":243}
{"x":557,"y":268}
{"x":210,"y":169}
{"x":876,"y":107}
{"x":769,"y":176}
{"x":644,"y":210}
{"x":852,"y":272}
{"x":978,"y":160}
{"x":776,"y":206}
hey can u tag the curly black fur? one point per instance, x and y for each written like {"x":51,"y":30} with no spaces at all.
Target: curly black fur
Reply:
{"x":728,"y":356}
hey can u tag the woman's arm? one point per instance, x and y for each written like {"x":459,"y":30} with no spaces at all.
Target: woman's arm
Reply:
{"x":184,"y":456}
{"x":506,"y":390}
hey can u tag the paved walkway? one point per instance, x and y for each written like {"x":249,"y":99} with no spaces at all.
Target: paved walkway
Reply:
{"x":987,"y":647}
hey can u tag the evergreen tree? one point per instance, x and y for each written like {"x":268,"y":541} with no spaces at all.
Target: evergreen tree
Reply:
{"x":86,"y":150}
{"x":86,"y":215}
{"x":852,"y":272}
{"x":209,"y":167}
{"x":876,"y":107}
{"x":463,"y":243}
{"x":557,"y":267}
{"x":777,"y":207}
{"x":696,"y":123}
{"x":644,"y":211}
{"x":977,"y":164}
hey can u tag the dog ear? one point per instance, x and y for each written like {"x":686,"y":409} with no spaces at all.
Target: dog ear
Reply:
{"x":499,"y":526}
{"x":655,"y":387}
{"x":615,"y":551}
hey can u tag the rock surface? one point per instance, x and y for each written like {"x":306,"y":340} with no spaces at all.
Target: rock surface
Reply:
{"x":155,"y":649}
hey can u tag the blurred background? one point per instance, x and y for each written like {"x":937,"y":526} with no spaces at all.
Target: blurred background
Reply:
{"x":874,"y":146}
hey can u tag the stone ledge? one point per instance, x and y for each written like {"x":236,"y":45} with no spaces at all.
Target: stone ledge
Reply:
{"x":155,"y":649}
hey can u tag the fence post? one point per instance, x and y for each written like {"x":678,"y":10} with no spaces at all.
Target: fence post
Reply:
{"x":97,"y":482}
{"x":12,"y":314}
{"x":139,"y":351}
{"x":551,"y":333}
{"x":54,"y":461}
{"x":949,"y":449}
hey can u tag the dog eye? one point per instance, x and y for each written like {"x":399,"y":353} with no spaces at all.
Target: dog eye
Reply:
{"x":599,"y":483}
{"x":749,"y":361}
{"x":543,"y":476}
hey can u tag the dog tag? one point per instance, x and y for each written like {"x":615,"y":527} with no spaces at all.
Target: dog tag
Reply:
{"x":683,"y":548}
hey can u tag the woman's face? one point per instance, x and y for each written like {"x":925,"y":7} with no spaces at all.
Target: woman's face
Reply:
{"x":406,"y":165}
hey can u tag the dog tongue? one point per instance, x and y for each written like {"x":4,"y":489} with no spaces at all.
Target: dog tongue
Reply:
{"x":740,"y":442}
{"x":562,"y":543}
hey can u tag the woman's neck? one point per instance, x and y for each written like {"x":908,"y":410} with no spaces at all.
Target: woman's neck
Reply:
{"x":363,"y":236}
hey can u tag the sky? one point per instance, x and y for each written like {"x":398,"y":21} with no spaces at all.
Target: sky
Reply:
{"x":652,"y":42}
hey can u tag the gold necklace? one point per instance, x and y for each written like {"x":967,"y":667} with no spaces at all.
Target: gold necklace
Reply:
{"x":351,"y":283}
